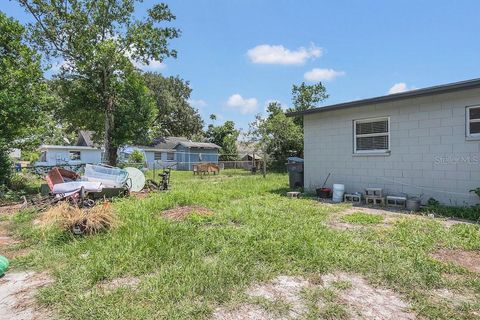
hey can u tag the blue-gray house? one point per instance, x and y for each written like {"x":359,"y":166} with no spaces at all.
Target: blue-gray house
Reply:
{"x":189,"y":153}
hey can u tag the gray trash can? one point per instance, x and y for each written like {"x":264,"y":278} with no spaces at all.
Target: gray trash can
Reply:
{"x":295,"y":174}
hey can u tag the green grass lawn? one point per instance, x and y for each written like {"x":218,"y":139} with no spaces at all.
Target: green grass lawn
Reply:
{"x":187,"y":268}
{"x":363,"y":218}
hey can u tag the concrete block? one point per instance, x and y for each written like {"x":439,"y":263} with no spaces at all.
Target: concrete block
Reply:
{"x":440,"y":131}
{"x":353,"y":198}
{"x":374,"y":192}
{"x":375,"y":201}
{"x":395,"y":201}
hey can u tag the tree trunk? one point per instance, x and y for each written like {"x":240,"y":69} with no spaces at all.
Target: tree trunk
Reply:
{"x":112,"y":156}
{"x":110,"y":149}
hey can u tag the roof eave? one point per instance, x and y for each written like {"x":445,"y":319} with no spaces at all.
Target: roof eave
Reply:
{"x":447,"y":88}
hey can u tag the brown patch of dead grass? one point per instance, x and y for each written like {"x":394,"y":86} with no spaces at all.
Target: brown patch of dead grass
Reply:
{"x":180,"y":213}
{"x":469,"y":260}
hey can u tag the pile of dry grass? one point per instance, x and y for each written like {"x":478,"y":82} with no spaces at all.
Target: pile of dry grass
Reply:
{"x":81,"y":221}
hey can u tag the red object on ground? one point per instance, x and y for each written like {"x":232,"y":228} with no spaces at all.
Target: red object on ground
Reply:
{"x":56,"y":175}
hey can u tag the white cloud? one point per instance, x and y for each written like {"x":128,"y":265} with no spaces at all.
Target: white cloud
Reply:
{"x":317,"y":74}
{"x":400,"y":87}
{"x":278,"y":54}
{"x":197,"y":103}
{"x":153,"y":65}
{"x":245,"y":106}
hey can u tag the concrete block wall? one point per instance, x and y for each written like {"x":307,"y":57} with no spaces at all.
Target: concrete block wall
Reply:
{"x":430,"y":153}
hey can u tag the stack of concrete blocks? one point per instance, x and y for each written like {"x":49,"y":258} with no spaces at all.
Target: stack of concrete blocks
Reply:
{"x":354,"y":198}
{"x":293,"y":194}
{"x":374,"y":196}
{"x":396,"y":201}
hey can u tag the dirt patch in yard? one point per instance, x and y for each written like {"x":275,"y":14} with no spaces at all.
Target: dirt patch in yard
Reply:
{"x":389,"y":218}
{"x":469,"y":260}
{"x":360,"y":299}
{"x":12,"y":207}
{"x":364,"y":301}
{"x":453,"y":297}
{"x":180,"y":213}
{"x":17,"y":296}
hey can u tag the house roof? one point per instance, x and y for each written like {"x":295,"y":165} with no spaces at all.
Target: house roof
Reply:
{"x":203,"y":145}
{"x":445,"y":88}
{"x":250,"y":155}
{"x":166,"y":143}
{"x":85,"y":138}
{"x":73,"y":148}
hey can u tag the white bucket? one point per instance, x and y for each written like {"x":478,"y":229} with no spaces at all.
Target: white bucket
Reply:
{"x":338,"y":191}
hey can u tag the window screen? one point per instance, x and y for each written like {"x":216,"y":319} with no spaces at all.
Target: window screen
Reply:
{"x":157,"y":156}
{"x":170,"y":156}
{"x":371,"y":135}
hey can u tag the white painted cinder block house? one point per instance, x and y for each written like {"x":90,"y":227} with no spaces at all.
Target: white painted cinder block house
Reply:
{"x":423,"y":142}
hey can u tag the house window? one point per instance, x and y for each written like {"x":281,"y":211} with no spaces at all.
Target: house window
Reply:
{"x":170,"y":156}
{"x":473,"y":121}
{"x":157,"y":156}
{"x":74,"y":155}
{"x":371,"y":135}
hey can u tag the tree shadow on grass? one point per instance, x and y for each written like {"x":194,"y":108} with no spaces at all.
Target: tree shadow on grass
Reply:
{"x":283,"y":192}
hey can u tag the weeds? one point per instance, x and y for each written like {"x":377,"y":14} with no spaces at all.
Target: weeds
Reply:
{"x":363,"y":218}
{"x":255,"y":234}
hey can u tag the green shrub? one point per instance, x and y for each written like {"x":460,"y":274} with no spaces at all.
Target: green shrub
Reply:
{"x":18,"y":182}
{"x":468,"y":213}
{"x":136,"y":156}
{"x":5,"y":166}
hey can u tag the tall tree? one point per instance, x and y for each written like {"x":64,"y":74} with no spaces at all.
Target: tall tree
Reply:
{"x":175,"y":116}
{"x":226,"y":137}
{"x":134,"y":111}
{"x":98,"y":40}
{"x":23,"y":93}
{"x":277,"y":135}
{"x":305,"y":97}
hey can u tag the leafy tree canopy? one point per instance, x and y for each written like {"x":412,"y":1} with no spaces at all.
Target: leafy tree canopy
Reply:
{"x":98,"y":40}
{"x":226,"y":137}
{"x":23,"y":94}
{"x":175,"y":116}
{"x":277,"y":135}
{"x":306,"y":97}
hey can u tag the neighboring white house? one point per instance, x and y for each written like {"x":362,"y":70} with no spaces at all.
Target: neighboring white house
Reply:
{"x":68,"y":155}
{"x":423,"y":142}
{"x":176,"y":152}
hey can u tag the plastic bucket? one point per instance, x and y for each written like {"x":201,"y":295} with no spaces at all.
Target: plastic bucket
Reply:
{"x":338,"y":191}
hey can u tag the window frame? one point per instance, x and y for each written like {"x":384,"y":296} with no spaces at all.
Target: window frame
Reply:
{"x":468,"y":121}
{"x":373,"y":151}
{"x":156,"y":154}
{"x":170,"y":156}
{"x":74,"y":152}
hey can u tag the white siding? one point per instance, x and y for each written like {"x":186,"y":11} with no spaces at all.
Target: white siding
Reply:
{"x":430,"y":154}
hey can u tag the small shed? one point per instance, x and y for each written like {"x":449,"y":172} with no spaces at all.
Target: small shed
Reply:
{"x":251,"y":160}
{"x":68,"y":155}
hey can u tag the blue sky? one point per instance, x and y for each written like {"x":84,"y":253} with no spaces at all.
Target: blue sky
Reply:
{"x":238,"y":55}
